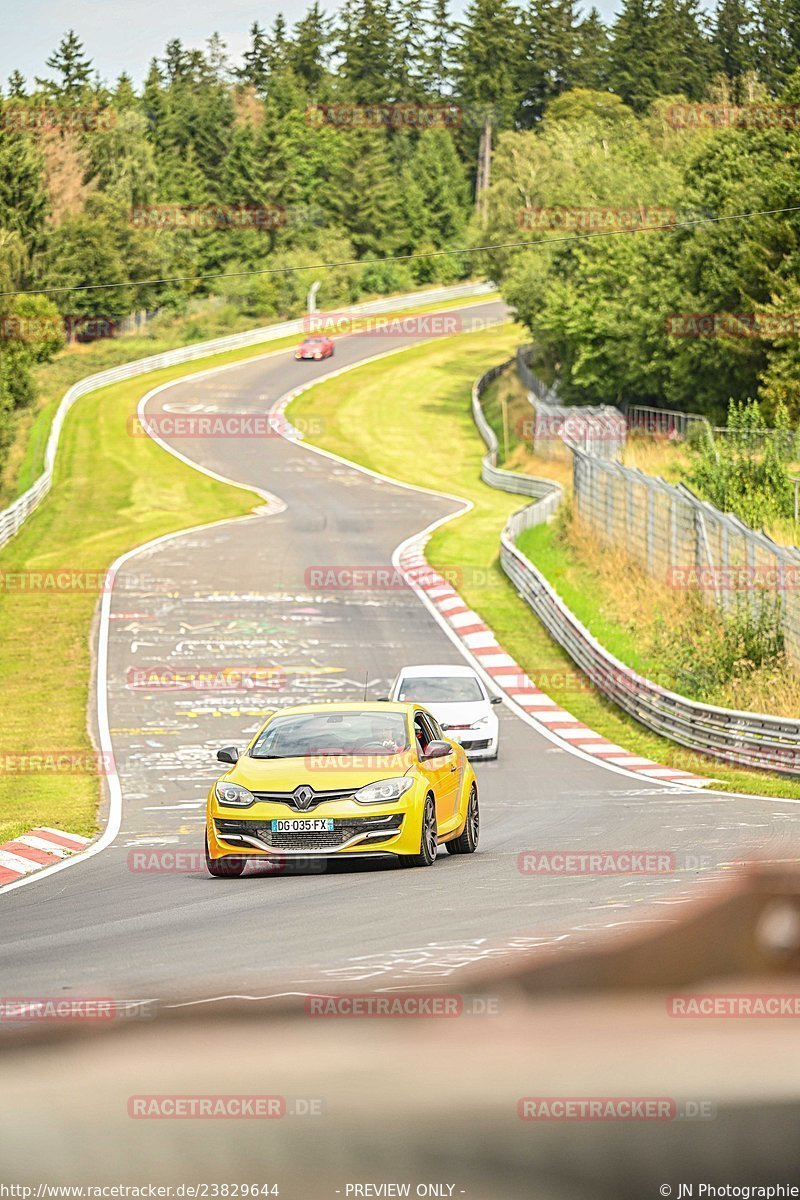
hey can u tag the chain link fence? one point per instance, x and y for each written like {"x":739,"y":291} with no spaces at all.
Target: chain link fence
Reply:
{"x":688,"y":543}
{"x":600,"y":430}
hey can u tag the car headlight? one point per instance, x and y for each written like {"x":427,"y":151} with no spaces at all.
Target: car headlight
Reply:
{"x":477,"y":724}
{"x":384,"y":791}
{"x":234,"y":794}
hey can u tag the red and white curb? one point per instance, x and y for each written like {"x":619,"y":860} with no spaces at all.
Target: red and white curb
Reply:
{"x":42,"y":847}
{"x":509,"y":678}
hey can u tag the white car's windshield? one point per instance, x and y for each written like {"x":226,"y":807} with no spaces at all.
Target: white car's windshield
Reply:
{"x":441,"y":689}
{"x":333,"y":733}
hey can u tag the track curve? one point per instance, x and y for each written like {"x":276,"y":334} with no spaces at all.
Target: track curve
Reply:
{"x":238,"y":595}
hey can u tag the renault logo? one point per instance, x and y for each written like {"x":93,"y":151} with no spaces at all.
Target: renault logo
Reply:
{"x":303,"y":796}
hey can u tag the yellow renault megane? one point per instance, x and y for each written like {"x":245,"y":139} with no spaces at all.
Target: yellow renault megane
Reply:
{"x":343,"y":780}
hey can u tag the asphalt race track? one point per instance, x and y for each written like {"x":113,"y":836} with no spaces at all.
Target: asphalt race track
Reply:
{"x":236,"y":595}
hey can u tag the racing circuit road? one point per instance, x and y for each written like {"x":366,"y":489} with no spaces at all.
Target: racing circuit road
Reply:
{"x":236,"y":595}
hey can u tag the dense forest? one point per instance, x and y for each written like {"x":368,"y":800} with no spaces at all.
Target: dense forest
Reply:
{"x":576,"y":114}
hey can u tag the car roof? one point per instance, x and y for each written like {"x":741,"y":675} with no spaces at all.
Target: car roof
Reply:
{"x":433,"y":669}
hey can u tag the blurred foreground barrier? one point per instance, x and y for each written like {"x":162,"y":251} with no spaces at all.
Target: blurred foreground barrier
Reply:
{"x":360,"y":1106}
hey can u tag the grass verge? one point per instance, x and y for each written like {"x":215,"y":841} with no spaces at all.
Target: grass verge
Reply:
{"x":430,"y":389}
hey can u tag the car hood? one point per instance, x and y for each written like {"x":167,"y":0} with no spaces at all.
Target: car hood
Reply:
{"x":459,"y":714}
{"x":318,"y":772}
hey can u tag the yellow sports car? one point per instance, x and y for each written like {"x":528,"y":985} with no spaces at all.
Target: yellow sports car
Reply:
{"x":343,"y":780}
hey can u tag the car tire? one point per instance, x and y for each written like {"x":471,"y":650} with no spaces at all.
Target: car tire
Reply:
{"x":230,"y":867}
{"x":428,"y":842}
{"x":467,"y":841}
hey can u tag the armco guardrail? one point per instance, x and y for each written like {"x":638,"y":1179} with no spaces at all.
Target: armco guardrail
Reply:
{"x":13,"y":517}
{"x":546,"y":491}
{"x":740,"y":739}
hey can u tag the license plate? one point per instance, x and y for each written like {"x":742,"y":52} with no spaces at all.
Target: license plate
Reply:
{"x":304,"y":825}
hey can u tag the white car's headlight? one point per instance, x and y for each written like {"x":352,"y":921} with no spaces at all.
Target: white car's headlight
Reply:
{"x":477,"y":724}
{"x":233,"y":793}
{"x":384,"y":791}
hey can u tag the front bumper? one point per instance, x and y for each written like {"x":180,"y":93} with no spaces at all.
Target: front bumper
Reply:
{"x":357,"y":830}
{"x":476,"y":744}
{"x":347,"y":834}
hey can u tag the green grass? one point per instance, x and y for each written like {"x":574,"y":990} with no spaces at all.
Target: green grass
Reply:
{"x":111,"y":492}
{"x":368,"y":415}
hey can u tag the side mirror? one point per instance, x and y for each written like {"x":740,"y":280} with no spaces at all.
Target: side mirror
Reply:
{"x":496,"y":700}
{"x":228,"y":754}
{"x":437,"y":750}
{"x":382,"y":699}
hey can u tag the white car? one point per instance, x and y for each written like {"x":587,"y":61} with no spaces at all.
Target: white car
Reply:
{"x":458,"y":699}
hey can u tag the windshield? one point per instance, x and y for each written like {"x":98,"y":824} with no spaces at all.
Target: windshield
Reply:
{"x":441,"y":689}
{"x":332,"y":734}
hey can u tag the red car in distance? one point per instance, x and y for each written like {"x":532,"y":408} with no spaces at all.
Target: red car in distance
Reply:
{"x":315,"y":347}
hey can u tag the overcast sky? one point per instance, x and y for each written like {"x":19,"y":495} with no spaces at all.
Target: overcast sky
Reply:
{"x":125,"y":35}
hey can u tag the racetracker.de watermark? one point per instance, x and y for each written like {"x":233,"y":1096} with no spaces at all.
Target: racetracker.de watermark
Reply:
{"x":610,"y":862}
{"x":208,"y":216}
{"x":429,"y":325}
{"x":205,"y":679}
{"x":571,"y":426}
{"x":357,"y":578}
{"x":780,"y":577}
{"x":209,"y":1107}
{"x":596,"y":218}
{"x":255,"y":426}
{"x":401,"y":1005}
{"x":43,"y":119}
{"x":613,"y":1108}
{"x":33,"y":329}
{"x":733,"y":116}
{"x":102,"y":1009}
{"x":746,"y":326}
{"x":403,"y":116}
{"x":56,"y":762}
{"x":738,"y":1005}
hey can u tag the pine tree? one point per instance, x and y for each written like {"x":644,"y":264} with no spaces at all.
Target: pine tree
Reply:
{"x":255,"y":66}
{"x":732,"y":40}
{"x":772,"y":44}
{"x":124,"y":95}
{"x":591,"y":67}
{"x":217,"y":57}
{"x":410,"y":50}
{"x":634,"y":57}
{"x":368,"y":54}
{"x":23,"y":197}
{"x":72,"y":67}
{"x":439,"y":60}
{"x":367,"y":198}
{"x":488,"y":56}
{"x":683,"y":50}
{"x":278,"y":46}
{"x":551,"y":53}
{"x":16,"y":86}
{"x":310,"y":48}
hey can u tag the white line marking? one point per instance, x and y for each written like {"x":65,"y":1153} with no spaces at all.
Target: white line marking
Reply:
{"x":15,"y":862}
{"x":75,"y":837}
{"x":38,"y":843}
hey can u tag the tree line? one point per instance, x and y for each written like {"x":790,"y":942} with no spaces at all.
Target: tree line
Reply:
{"x":549,"y":81}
